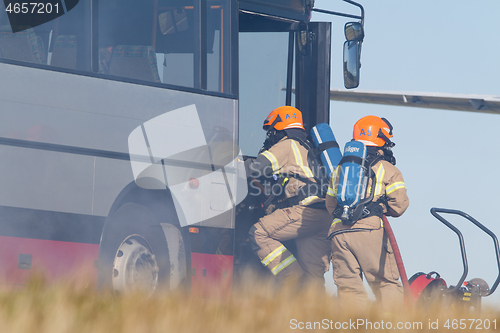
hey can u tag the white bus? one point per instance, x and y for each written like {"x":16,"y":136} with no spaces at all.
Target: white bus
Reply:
{"x":82,"y":94}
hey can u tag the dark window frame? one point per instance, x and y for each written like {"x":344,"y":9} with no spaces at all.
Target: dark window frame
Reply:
{"x":116,"y":78}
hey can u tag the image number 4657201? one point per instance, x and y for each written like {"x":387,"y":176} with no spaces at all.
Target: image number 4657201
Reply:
{"x":25,"y":14}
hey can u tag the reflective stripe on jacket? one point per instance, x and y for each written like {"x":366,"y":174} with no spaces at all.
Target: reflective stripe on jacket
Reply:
{"x":287,"y":157}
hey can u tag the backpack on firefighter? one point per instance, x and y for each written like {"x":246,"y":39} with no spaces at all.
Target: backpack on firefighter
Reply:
{"x":323,"y":156}
{"x":326,"y":154}
{"x":354,"y":174}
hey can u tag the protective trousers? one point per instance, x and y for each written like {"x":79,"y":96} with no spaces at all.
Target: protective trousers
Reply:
{"x":368,"y":252}
{"x":309,"y":227}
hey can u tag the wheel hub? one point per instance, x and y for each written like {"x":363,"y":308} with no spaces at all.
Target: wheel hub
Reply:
{"x":135,"y":266}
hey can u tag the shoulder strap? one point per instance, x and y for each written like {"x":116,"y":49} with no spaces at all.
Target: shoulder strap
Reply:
{"x":324,"y":146}
{"x":304,"y":143}
{"x":351,"y":158}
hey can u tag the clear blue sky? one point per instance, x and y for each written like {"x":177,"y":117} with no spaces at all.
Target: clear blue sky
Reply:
{"x":448,"y":159}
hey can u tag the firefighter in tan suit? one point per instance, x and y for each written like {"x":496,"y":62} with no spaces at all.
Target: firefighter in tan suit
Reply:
{"x":300,"y":213}
{"x":368,"y":251}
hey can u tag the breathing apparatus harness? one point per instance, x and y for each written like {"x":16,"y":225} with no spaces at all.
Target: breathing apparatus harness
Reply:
{"x":367,"y":207}
{"x":317,"y":187}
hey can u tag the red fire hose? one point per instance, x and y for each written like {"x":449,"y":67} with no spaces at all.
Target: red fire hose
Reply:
{"x":399,"y":261}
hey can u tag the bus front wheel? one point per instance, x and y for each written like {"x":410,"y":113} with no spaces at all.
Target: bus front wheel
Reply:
{"x":135,"y":266}
{"x":133,"y":254}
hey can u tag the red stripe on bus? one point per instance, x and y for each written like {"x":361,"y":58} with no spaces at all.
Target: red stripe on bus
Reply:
{"x":54,"y":259}
{"x":212,"y":275}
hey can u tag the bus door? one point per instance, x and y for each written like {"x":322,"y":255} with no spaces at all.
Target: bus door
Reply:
{"x":281,"y":62}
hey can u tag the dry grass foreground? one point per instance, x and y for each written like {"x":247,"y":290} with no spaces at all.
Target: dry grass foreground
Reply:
{"x":258,"y":307}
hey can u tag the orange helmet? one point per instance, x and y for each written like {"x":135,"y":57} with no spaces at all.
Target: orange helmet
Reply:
{"x":373,"y":131}
{"x":284,"y":117}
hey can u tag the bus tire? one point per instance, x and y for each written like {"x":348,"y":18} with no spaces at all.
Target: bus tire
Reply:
{"x":133,"y":253}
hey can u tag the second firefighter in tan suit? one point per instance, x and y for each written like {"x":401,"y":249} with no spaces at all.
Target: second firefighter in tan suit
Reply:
{"x":368,"y":252}
{"x":300,"y":214}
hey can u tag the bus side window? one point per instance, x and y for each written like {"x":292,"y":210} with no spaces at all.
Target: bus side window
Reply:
{"x":135,"y":62}
{"x":70,"y":37}
{"x":22,"y":46}
{"x":215,"y":42}
{"x":159,"y":41}
{"x":174,"y":39}
{"x":63,"y":42}
{"x":64,"y":52}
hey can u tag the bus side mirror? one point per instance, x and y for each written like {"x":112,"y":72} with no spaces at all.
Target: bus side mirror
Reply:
{"x":352,"y":50}
{"x":354,"y":35}
{"x":354,"y":31}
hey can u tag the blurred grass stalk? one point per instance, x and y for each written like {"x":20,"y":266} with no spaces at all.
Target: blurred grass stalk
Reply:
{"x":255,"y":306}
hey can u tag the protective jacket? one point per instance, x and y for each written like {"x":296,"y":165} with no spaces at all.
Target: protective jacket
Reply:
{"x":389,"y":183}
{"x":367,"y":251}
{"x":301,"y":221}
{"x":288,"y":158}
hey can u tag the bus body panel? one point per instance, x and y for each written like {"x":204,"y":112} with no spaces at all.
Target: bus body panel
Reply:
{"x":89,"y":113}
{"x":212,"y":275}
{"x":68,"y":161}
{"x":20,"y":257}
